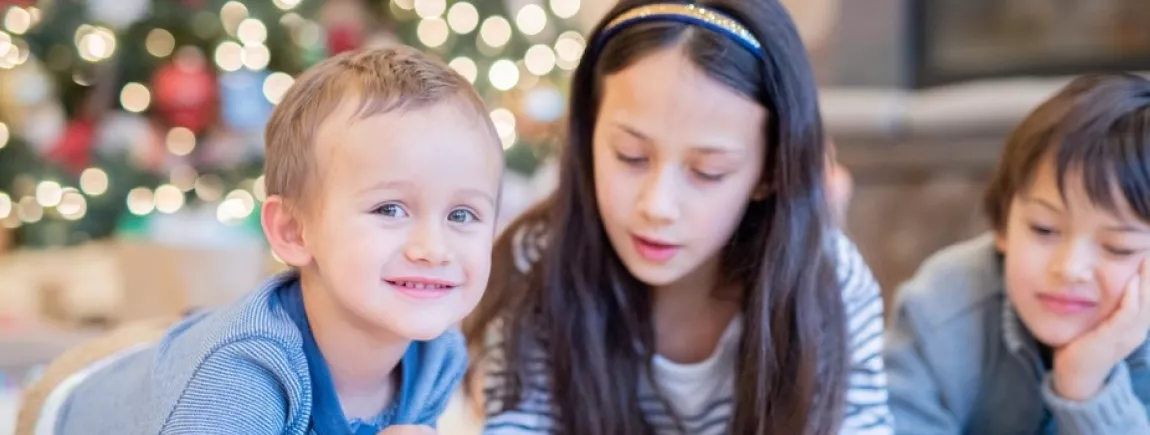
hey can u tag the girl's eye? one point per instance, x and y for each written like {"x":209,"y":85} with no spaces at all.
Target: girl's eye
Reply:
{"x":705,"y":176}
{"x":462,"y":215}
{"x":630,"y":160}
{"x":391,"y":210}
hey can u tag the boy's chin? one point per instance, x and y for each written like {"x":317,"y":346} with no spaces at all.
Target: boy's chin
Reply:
{"x":417,"y":329}
{"x":428,"y":333}
{"x":1055,"y":334}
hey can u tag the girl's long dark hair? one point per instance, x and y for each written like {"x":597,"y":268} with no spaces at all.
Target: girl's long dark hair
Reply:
{"x":580,"y":306}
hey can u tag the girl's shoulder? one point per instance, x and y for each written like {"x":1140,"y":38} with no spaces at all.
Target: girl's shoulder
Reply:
{"x":527,"y":244}
{"x":854,"y":276}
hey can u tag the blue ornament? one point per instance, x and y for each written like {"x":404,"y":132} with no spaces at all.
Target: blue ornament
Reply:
{"x":242,"y":100}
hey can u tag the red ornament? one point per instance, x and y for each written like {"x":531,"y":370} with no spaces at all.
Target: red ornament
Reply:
{"x":21,"y":3}
{"x":74,"y":148}
{"x":185,"y":92}
{"x":343,"y":38}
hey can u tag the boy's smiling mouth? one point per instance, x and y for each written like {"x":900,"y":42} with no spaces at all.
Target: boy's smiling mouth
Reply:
{"x":420,"y":287}
{"x":1061,"y":303}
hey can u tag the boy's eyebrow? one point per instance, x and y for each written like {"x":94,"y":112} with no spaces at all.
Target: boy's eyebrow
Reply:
{"x":478,"y":193}
{"x":389,"y":184}
{"x":404,"y":185}
{"x":1125,"y":228}
{"x":1045,"y":203}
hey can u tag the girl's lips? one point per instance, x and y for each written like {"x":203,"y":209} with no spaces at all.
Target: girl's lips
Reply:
{"x":654,"y":251}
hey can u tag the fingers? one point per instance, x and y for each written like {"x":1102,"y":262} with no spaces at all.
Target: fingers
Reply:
{"x":408,"y":430}
{"x":1144,"y":305}
{"x":1127,"y":327}
{"x":1124,"y":317}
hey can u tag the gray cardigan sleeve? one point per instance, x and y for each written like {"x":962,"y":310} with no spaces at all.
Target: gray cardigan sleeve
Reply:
{"x":242,"y":387}
{"x":1114,"y":410}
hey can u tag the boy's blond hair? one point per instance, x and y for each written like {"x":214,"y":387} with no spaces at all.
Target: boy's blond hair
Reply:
{"x":383,"y":80}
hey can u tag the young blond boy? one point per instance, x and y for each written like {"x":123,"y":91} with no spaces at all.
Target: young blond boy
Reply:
{"x":383,"y":174}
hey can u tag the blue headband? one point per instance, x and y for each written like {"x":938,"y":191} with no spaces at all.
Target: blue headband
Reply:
{"x":688,"y":14}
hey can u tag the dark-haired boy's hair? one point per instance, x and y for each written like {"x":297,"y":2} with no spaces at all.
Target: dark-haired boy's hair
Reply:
{"x":1097,"y":126}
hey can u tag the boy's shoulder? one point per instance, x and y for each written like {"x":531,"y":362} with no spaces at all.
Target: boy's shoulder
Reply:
{"x":243,"y":349}
{"x":957,"y":281}
{"x":257,"y":316}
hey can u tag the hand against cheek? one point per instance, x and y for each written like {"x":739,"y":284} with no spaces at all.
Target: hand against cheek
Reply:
{"x":407,"y":430}
{"x":1081,"y":367}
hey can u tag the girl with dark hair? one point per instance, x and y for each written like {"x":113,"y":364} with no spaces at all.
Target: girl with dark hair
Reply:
{"x":685,"y":277}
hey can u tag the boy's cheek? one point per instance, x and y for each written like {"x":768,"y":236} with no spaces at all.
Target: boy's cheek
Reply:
{"x":1112,"y":282}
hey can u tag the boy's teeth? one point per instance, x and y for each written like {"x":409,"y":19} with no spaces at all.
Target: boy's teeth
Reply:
{"x":419,"y":285}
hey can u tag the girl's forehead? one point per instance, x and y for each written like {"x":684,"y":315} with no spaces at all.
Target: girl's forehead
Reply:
{"x":665,"y":98}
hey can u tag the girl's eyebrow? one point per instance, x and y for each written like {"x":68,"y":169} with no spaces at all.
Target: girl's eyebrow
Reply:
{"x":704,"y":149}
{"x":632,"y":131}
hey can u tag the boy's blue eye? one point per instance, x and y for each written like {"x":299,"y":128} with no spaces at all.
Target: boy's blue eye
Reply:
{"x":462,"y":215}
{"x":391,"y":210}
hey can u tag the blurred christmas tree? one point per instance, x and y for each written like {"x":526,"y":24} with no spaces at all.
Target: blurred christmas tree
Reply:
{"x":517,"y":54}
{"x":112,"y":111}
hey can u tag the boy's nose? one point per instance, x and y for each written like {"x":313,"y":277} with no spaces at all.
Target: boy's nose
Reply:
{"x":1074,"y":264}
{"x":427,"y":246}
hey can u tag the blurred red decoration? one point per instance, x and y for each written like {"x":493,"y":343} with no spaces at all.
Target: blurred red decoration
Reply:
{"x":20,"y":3}
{"x":185,"y":91}
{"x":74,"y":148}
{"x":343,"y":37}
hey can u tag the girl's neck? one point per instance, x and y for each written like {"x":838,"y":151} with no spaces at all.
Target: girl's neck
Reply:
{"x":691,"y":314}
{"x":362,"y":358}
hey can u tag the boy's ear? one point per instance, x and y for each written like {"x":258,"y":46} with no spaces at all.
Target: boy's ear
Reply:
{"x":284,"y":232}
{"x":1000,"y":241}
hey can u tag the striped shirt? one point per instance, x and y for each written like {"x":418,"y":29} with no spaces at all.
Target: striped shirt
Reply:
{"x":702,"y":393}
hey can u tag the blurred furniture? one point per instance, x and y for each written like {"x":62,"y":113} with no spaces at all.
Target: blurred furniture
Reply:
{"x":953,"y":40}
{"x":54,"y":299}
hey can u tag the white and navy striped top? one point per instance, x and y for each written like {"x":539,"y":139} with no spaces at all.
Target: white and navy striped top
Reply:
{"x":702,"y":393}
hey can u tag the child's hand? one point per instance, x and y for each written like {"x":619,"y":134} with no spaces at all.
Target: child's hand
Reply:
{"x":407,"y":429}
{"x":1081,"y":367}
